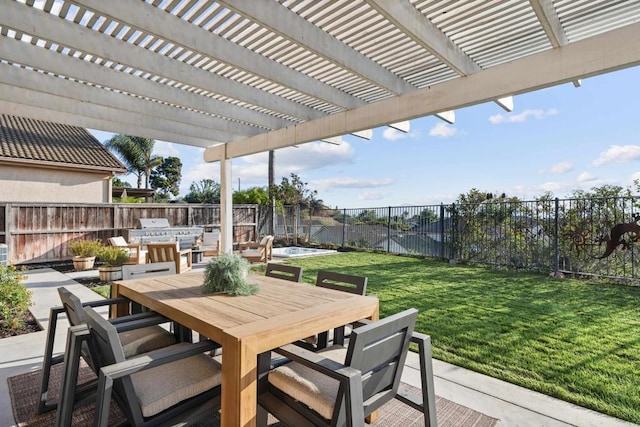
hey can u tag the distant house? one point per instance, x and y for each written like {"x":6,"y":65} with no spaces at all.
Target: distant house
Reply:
{"x":50,"y":162}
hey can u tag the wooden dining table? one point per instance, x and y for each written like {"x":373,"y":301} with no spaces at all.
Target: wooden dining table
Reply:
{"x":281,"y":312}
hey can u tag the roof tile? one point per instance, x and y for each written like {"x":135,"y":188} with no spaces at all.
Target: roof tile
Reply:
{"x":38,"y":140}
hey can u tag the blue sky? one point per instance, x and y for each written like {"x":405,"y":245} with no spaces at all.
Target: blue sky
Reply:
{"x":557,"y":139}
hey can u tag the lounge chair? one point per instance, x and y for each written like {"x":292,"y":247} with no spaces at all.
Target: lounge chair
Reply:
{"x":258,"y":251}
{"x":164,"y":252}
{"x":136,"y":254}
{"x":210,"y":243}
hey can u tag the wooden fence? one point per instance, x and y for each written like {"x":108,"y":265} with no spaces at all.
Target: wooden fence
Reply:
{"x":42,"y":232}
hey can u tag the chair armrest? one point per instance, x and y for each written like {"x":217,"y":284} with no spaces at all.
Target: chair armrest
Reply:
{"x":110,"y":373}
{"x":103,"y":302}
{"x":134,"y":246}
{"x":140,"y":322}
{"x":350,"y":379}
{"x":156,"y":358}
{"x":318,"y":363}
{"x":248,"y":245}
{"x":185,"y":252}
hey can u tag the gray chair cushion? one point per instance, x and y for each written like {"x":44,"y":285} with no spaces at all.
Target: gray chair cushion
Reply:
{"x":143,"y":340}
{"x":181,"y":380}
{"x":316,"y":390}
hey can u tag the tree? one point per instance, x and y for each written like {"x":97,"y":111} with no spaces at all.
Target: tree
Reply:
{"x":253,"y":195}
{"x":137,"y":155}
{"x":117,"y":182}
{"x":204,"y":191}
{"x":293,"y":192}
{"x":166,"y":177}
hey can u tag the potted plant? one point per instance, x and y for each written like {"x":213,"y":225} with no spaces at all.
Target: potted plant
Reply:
{"x":113,"y":258}
{"x":84,"y":253}
{"x":227,"y":273}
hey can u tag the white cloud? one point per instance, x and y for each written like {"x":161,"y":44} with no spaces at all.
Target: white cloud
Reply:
{"x":635,"y":176}
{"x":443,"y":130}
{"x":561,"y":167}
{"x":585,"y":177}
{"x":392,"y":134}
{"x":618,"y":154}
{"x":167,"y":149}
{"x":522,"y":116}
{"x":371,"y":195}
{"x":349,"y":182}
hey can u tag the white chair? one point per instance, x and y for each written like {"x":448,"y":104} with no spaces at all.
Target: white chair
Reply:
{"x":210,"y":243}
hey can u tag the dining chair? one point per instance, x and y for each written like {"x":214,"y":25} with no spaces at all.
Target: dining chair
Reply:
{"x":339,"y":282}
{"x":340,"y":386}
{"x":134,"y":249}
{"x":164,"y":252}
{"x":140,"y":333}
{"x":258,"y":251}
{"x":175,"y":384}
{"x":284,"y":272}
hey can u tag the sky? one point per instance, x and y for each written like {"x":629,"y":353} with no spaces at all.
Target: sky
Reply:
{"x":558,"y":139}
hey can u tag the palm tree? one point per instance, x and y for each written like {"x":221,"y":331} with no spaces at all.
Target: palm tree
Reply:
{"x":137,"y":155}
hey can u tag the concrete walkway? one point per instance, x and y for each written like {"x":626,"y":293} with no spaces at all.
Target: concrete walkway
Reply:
{"x":511,"y":404}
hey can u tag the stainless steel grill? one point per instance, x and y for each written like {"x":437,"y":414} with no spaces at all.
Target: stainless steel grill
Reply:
{"x":158,"y":230}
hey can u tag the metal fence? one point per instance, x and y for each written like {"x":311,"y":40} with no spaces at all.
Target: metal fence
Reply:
{"x":594,"y":237}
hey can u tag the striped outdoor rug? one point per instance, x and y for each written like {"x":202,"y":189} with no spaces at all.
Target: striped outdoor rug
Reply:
{"x":24,"y":391}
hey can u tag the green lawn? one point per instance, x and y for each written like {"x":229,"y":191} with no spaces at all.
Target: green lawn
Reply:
{"x":569,"y":339}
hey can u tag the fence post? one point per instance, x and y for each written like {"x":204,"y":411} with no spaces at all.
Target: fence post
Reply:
{"x":7,"y":233}
{"x":389,"y":230}
{"x":557,"y":239}
{"x":454,"y":226}
{"x":441,"y":231}
{"x":344,"y":226}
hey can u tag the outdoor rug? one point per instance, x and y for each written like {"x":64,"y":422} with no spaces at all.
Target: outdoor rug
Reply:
{"x":24,"y":391}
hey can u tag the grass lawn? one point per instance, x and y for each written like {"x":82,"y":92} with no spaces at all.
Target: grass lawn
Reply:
{"x":573,"y":340}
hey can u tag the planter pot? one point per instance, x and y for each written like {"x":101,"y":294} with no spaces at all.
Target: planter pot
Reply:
{"x":109,"y":274}
{"x":83,"y":262}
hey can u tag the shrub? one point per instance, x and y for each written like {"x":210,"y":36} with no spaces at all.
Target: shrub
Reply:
{"x":85,"y":248}
{"x":227,"y":273}
{"x":113,"y":256}
{"x":15,"y":298}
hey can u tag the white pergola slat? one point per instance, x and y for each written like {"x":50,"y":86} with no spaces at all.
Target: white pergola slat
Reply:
{"x":244,"y":76}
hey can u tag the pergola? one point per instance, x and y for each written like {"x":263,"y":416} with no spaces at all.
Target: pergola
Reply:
{"x":244,"y":76}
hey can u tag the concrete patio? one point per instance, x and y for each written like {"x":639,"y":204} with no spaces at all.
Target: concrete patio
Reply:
{"x":511,"y":404}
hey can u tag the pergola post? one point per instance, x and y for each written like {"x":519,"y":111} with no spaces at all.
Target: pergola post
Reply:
{"x":226,"y":206}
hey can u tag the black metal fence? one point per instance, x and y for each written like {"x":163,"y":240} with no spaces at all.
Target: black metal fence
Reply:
{"x":595,"y":237}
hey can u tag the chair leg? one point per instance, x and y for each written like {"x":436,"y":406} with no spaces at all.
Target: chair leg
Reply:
{"x":49,"y":361}
{"x":426,"y":378}
{"x":72,"y":355}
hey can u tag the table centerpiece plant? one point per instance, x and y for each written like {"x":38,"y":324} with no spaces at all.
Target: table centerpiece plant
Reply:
{"x":227,"y":273}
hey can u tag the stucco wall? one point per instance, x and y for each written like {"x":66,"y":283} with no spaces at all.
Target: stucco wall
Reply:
{"x":26,"y":184}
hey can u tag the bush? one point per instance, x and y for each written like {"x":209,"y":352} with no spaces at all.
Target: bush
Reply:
{"x":15,"y":298}
{"x":227,"y":273}
{"x":113,"y":256}
{"x":85,"y":248}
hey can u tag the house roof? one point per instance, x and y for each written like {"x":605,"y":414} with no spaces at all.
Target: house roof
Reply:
{"x":247,"y":76}
{"x":37,"y":142}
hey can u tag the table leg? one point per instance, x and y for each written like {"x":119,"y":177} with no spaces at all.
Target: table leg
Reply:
{"x":239,"y":384}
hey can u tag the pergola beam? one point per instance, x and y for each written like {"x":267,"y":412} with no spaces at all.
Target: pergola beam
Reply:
{"x":124,"y":105}
{"x":23,"y":110}
{"x":411,"y":22}
{"x":74,"y":36}
{"x":291,"y":26}
{"x":588,"y":57}
{"x":47,"y":60}
{"x":172,"y":28}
